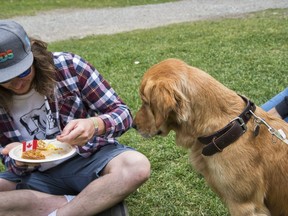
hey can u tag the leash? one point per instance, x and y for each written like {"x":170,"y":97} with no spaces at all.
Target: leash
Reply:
{"x":277,"y":133}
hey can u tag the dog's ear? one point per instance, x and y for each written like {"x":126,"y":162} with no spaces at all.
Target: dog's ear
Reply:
{"x":169,"y":98}
{"x":182,"y":105}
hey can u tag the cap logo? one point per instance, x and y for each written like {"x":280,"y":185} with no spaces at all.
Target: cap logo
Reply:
{"x":4,"y":56}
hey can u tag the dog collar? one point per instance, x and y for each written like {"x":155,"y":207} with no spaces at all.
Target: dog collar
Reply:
{"x":230,"y":133}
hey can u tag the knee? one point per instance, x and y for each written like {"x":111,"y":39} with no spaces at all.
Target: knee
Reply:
{"x":131,"y":168}
{"x":137,"y":169}
{"x":142,"y":169}
{"x":6,"y":185}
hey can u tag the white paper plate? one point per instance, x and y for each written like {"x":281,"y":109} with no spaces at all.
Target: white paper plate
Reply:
{"x":54,"y":155}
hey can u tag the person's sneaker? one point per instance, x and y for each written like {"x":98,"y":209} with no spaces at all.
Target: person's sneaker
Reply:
{"x":118,"y":210}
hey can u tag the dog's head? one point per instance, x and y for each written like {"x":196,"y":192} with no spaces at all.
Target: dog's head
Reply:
{"x":164,"y":104}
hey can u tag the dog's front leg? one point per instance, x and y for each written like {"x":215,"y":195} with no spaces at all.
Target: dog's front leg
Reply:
{"x":247,"y":209}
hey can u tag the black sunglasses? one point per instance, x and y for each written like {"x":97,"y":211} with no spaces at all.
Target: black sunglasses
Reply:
{"x":22,"y":75}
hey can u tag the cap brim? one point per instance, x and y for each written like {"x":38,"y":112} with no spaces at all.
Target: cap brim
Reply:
{"x":15,"y":70}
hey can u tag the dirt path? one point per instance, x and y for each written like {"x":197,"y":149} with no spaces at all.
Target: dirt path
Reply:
{"x":64,"y":24}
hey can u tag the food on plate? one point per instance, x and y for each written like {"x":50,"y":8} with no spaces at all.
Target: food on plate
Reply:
{"x":39,"y":151}
{"x":33,"y":154}
{"x":41,"y":145}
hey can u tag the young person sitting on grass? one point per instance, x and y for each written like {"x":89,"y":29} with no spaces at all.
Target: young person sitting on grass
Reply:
{"x":48,"y":95}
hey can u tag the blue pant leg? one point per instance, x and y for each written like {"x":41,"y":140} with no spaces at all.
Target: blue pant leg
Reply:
{"x":275,"y":100}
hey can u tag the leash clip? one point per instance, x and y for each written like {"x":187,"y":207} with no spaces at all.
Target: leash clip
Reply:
{"x":277,"y":133}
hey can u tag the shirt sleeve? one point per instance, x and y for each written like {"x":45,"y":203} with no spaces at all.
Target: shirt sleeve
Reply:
{"x":103,"y":100}
{"x":109,"y":107}
{"x":282,"y":108}
{"x":99,"y":99}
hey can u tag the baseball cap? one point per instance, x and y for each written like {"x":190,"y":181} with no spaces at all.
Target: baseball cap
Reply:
{"x":15,"y":50}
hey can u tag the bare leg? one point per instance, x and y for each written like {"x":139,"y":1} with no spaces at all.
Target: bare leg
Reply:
{"x":6,"y":185}
{"x":122,"y":175}
{"x":33,"y":203}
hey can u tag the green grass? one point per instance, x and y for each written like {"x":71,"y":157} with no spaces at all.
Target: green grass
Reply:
{"x":10,"y":8}
{"x":247,"y":54}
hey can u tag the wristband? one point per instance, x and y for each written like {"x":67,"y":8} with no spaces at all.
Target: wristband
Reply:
{"x":95,"y":122}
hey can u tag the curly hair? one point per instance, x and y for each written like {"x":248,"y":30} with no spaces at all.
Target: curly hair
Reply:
{"x":44,"y":80}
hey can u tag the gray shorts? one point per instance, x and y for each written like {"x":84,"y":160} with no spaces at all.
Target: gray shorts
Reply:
{"x":71,"y":176}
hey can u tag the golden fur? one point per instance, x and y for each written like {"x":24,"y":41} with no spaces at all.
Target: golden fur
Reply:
{"x":251,"y":174}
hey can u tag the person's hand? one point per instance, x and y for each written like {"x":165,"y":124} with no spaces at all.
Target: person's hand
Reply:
{"x":77,"y":132}
{"x":7,"y":149}
{"x":274,"y":112}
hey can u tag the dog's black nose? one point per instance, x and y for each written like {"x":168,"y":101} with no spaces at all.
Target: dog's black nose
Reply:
{"x":134,"y":126}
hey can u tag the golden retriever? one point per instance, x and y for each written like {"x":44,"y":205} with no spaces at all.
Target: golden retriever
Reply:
{"x":250,"y":173}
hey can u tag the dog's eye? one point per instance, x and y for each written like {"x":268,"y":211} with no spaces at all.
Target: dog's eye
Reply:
{"x":145,"y":104}
{"x":144,"y":101}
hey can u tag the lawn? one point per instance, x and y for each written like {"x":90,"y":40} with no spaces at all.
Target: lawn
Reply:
{"x":247,"y":54}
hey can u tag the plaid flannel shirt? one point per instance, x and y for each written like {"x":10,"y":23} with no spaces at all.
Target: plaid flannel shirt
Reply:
{"x":80,"y":92}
